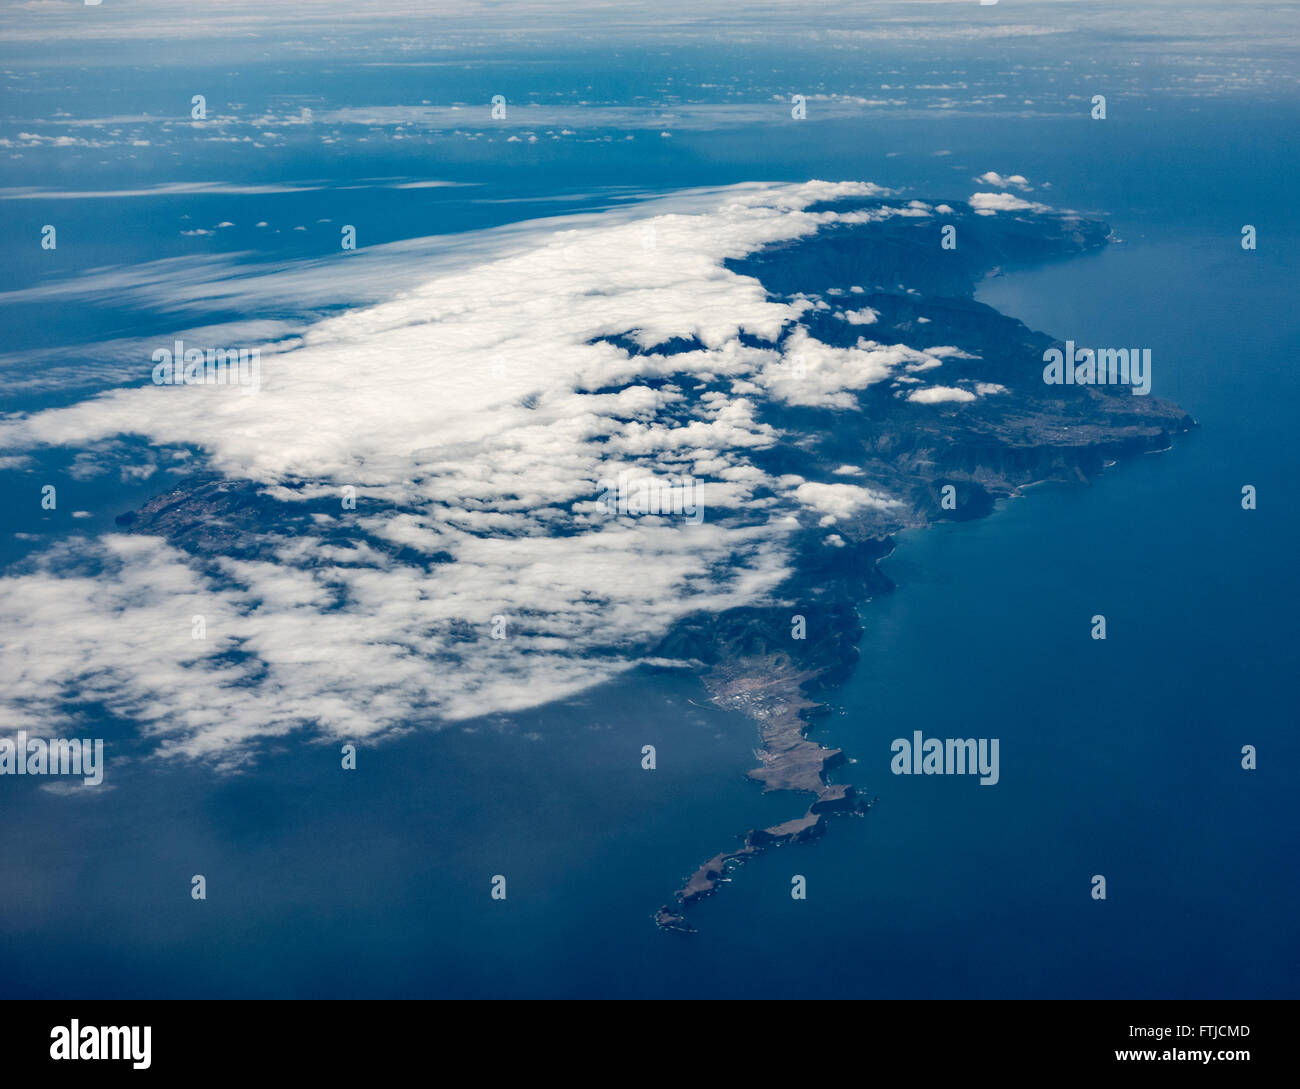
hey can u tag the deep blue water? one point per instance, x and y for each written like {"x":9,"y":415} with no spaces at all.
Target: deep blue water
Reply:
{"x":1119,"y":757}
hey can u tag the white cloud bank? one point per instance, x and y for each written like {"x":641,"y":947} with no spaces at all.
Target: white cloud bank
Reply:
{"x":475,"y":413}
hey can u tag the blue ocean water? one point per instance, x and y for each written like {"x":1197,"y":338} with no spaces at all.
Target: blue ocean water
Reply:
{"x":1119,"y":758}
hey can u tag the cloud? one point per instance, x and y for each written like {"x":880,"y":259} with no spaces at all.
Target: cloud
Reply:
{"x":1012,"y":181}
{"x":838,"y":501}
{"x":933,"y":395}
{"x":987,"y":204}
{"x":171,"y":189}
{"x":812,"y":373}
{"x":476,"y":412}
{"x":168,"y":189}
